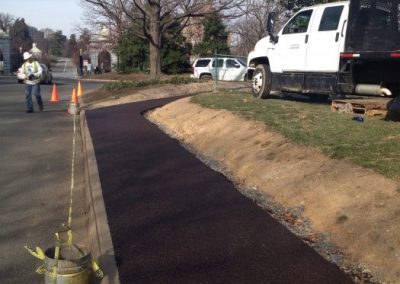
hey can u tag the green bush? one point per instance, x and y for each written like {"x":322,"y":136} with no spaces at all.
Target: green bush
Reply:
{"x":181,"y":80}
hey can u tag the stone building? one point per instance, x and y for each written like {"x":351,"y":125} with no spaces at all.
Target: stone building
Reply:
{"x":36,"y":52}
{"x":5,"y":56}
{"x":101,"y":53}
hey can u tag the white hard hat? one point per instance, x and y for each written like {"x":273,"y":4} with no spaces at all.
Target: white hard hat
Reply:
{"x":27,"y":55}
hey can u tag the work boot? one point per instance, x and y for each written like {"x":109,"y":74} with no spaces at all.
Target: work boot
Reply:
{"x":41,"y":107}
{"x":29,"y":110}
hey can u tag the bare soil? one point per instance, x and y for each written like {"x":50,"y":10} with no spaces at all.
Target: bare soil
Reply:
{"x":349,"y":214}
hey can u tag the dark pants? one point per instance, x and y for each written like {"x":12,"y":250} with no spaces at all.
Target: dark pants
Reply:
{"x":33,"y":90}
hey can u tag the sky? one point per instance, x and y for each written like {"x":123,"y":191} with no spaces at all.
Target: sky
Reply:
{"x":62,"y":15}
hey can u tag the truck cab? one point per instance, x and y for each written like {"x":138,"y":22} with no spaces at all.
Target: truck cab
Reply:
{"x":336,"y":48}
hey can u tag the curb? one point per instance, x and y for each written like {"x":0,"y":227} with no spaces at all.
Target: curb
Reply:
{"x":99,"y":80}
{"x":100,"y":242}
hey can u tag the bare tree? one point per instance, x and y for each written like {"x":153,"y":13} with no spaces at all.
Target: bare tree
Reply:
{"x":150,"y":19}
{"x":6,"y":21}
{"x":251,"y":27}
{"x":110,"y":15}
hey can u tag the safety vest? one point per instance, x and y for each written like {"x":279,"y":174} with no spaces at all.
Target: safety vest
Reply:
{"x":35,"y":67}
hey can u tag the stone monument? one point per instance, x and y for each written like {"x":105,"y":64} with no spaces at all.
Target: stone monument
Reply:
{"x":5,"y":56}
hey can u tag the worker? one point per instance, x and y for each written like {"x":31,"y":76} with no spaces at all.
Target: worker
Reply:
{"x":33,"y":72}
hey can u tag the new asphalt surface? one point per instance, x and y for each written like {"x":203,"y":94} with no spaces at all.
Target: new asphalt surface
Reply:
{"x":174,"y":220}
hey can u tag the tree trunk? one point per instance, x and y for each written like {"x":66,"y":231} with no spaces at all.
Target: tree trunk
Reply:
{"x":155,"y":42}
{"x":155,"y":61}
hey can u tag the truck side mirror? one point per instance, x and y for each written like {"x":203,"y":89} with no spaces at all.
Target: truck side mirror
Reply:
{"x":271,"y":27}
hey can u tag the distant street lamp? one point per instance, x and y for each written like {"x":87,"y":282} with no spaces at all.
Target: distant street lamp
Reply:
{"x":80,"y":62}
{"x":20,"y":60}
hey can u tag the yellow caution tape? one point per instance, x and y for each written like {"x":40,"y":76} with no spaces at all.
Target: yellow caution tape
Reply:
{"x":96,"y":268}
{"x":56,"y":257}
{"x":41,"y":270}
{"x":38,"y":253}
{"x":69,"y":224}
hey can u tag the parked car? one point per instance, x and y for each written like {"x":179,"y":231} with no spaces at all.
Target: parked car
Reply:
{"x":47,"y":76}
{"x":347,"y":47}
{"x":228,"y":68}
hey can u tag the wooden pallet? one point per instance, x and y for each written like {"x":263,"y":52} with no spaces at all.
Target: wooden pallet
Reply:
{"x":367,"y":107}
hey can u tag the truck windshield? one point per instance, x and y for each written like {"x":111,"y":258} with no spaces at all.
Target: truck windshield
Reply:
{"x":373,"y":25}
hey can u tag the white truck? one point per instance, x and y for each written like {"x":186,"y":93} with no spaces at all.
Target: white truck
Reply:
{"x":336,"y":48}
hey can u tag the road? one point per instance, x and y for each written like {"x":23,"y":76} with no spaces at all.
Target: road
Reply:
{"x":36,"y":152}
{"x":174,"y":220}
{"x":64,"y":69}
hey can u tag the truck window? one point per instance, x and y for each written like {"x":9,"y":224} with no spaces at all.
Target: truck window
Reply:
{"x":330,"y":18}
{"x":299,"y":24}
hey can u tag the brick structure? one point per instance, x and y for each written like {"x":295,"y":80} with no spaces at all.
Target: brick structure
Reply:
{"x":194,"y":30}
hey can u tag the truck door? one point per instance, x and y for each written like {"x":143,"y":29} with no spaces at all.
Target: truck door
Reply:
{"x":292,"y":44}
{"x":326,"y":39}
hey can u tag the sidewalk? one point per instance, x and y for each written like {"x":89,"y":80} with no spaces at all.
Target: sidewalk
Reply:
{"x":173,"y":220}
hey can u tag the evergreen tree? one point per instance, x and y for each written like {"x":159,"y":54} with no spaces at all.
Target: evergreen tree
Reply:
{"x":21,"y":41}
{"x":215,"y":37}
{"x":71,"y":46}
{"x":175,"y":51}
{"x":133,"y":53}
{"x":56,"y":43}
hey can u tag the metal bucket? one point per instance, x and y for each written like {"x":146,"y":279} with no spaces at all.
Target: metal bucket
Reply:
{"x":74,"y":265}
{"x":73,"y":108}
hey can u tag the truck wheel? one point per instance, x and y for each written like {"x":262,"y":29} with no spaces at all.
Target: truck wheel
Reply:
{"x":261,"y":86}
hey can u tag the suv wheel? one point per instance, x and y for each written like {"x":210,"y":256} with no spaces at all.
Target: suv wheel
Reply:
{"x":206,"y":77}
{"x":261,"y":86}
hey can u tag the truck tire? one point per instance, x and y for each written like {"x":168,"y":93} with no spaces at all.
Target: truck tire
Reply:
{"x":261,"y":85}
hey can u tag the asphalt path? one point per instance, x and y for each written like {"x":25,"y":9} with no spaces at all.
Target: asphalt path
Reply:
{"x":35,"y":167}
{"x":174,"y":220}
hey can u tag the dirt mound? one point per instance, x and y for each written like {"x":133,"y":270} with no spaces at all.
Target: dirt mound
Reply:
{"x":334,"y":205}
{"x":104,"y":98}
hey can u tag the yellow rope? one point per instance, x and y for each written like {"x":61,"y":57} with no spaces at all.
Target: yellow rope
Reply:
{"x":56,"y":257}
{"x":72,"y":184}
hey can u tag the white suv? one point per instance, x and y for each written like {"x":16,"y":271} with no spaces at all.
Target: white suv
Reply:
{"x":228,"y":68}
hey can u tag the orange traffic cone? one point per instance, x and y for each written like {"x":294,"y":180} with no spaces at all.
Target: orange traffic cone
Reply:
{"x":80,"y":89}
{"x":74,"y":105}
{"x":54,"y":95}
{"x":74,"y":97}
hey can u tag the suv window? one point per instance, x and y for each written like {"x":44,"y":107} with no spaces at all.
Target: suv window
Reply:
{"x":230,"y":63}
{"x":330,"y":18}
{"x":220,"y":63}
{"x":299,"y":24}
{"x":202,"y":63}
{"x":242,"y":61}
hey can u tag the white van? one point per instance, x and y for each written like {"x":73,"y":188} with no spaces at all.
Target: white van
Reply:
{"x":335,"y":48}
